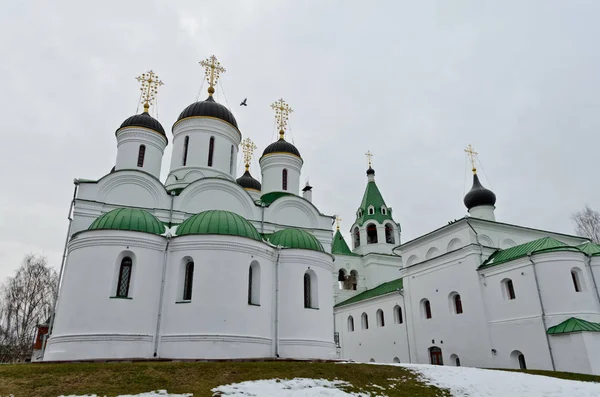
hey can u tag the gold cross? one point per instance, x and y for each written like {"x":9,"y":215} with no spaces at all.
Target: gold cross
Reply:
{"x":282,"y":113}
{"x":248,"y":148}
{"x":212,"y":71}
{"x":149,"y":88}
{"x":472,"y":155}
{"x":369,"y":157}
{"x":338,"y":219}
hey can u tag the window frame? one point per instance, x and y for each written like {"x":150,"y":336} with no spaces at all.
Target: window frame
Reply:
{"x":126,"y":262}
{"x":350,"y":323}
{"x":188,"y":281}
{"x":141,"y":156}
{"x":186,"y":144}
{"x":284,"y":179}
{"x":380,"y":318}
{"x":375,"y":239}
{"x":211,"y":151}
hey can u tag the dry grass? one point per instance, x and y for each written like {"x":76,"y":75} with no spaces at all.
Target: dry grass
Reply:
{"x":112,"y":379}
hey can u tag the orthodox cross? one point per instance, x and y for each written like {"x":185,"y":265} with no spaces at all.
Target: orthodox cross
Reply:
{"x":338,"y":220}
{"x":472,"y":155}
{"x":149,"y":88}
{"x":212,"y":72}
{"x":369,"y":157}
{"x":282,"y":113}
{"x":248,"y":148}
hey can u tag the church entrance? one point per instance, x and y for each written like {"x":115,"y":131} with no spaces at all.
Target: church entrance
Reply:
{"x":435,"y":354}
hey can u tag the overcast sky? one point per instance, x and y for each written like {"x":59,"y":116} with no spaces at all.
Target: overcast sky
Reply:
{"x":412,"y":81}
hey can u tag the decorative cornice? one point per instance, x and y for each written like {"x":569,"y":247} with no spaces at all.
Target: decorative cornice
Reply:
{"x":68,"y":338}
{"x":134,"y":128}
{"x":182,"y":338}
{"x":306,"y":342}
{"x":136,"y":134}
{"x":217,"y":125}
{"x":273,"y":159}
{"x":95,"y":238}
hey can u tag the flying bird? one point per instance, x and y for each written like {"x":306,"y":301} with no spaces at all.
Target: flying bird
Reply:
{"x":244,"y":102}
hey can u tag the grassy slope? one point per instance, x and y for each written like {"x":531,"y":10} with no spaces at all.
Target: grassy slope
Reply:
{"x":53,"y":380}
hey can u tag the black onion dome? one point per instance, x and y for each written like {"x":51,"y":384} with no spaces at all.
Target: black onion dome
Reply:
{"x":370,"y":171}
{"x":247,"y":182}
{"x":146,"y":121}
{"x":281,"y":146}
{"x":478,"y":195}
{"x":208,"y":108}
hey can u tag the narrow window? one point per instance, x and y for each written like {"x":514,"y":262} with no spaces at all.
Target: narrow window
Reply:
{"x":211,"y":150}
{"x":350,"y":324}
{"x":383,"y":210}
{"x":371,"y":211}
{"x":254,"y":284}
{"x":510,"y":290}
{"x":186,"y":143}
{"x":364,"y":319}
{"x":427,"y":308}
{"x":380,"y":318}
{"x":124,"y":277}
{"x":354,"y":279}
{"x":307,"y":291}
{"x":522,"y":363}
{"x":356,"y":234}
{"x":575,"y":276}
{"x":342,"y":279}
{"x":458,"y":304}
{"x":398,"y":315}
{"x":141,"y":155}
{"x":231,"y":161}
{"x":371,"y":234}
{"x":389,"y":234}
{"x":457,"y":361}
{"x":188,"y":281}
{"x":284,"y":179}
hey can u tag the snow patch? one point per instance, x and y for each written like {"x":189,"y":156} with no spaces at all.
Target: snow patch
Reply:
{"x":157,"y":393}
{"x":297,"y":387}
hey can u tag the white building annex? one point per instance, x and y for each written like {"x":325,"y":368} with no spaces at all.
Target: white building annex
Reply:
{"x":209,"y":265}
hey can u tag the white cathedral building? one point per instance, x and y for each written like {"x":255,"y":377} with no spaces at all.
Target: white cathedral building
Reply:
{"x":209,"y":265}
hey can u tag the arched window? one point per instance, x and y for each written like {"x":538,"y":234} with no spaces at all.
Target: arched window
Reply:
{"x":284,"y":179}
{"x":254,"y":284}
{"x":186,"y":144}
{"x":364,"y":321}
{"x":124,"y":277}
{"x":356,"y":235}
{"x":141,"y":155}
{"x":577,"y":278}
{"x":354,"y":279}
{"x":342,"y":279}
{"x":518,"y":359}
{"x":389,"y":234}
{"x":371,"y":210}
{"x":508,"y":290}
{"x":371,"y":234}
{"x":380,"y":318}
{"x":231,"y":161}
{"x":458,"y":304}
{"x":310,"y":290}
{"x":211,"y":150}
{"x":426,"y":309}
{"x":396,"y":360}
{"x":435,"y":355}
{"x":384,"y":210}
{"x":372,"y":360}
{"x":522,"y":363}
{"x":350,"y":324}
{"x":398,"y":315}
{"x":188,"y":281}
{"x":455,"y":360}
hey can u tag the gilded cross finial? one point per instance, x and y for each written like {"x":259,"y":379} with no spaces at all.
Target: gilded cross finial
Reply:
{"x":212,"y":71}
{"x":369,"y":157}
{"x":248,"y":148}
{"x":149,"y":88}
{"x":338,"y":220}
{"x":472,"y":155}
{"x":282,"y":113}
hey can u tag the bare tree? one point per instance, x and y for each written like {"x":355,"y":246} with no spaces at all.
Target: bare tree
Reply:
{"x":25,"y":300}
{"x":587,"y":224}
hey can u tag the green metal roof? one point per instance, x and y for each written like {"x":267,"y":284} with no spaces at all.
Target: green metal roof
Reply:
{"x":382,"y":289}
{"x":218,"y":222}
{"x":373,"y":197}
{"x":339,"y":246}
{"x":269,"y":198}
{"x":131,"y":219}
{"x":545,"y":244}
{"x":589,"y":248}
{"x":296,"y":238}
{"x":573,"y":325}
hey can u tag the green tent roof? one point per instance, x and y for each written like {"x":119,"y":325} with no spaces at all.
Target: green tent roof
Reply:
{"x":131,"y":219}
{"x":545,"y":244}
{"x":573,"y":325}
{"x":373,"y":197}
{"x":382,"y":289}
{"x":339,"y":246}
{"x":589,"y":248}
{"x":218,"y":222}
{"x":296,"y":238}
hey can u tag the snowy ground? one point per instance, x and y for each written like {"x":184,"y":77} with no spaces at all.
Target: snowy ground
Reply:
{"x":475,"y":382}
{"x":298,"y":387}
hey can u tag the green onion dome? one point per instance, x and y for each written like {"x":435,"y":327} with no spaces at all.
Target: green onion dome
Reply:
{"x":218,"y":222}
{"x":296,"y":238}
{"x":130,"y":219}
